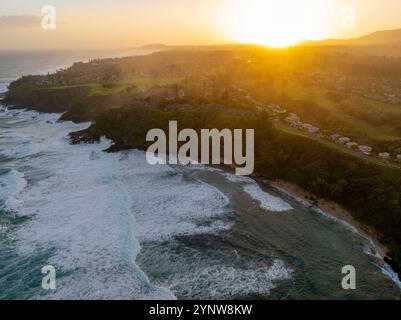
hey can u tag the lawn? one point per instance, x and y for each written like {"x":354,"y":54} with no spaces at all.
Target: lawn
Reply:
{"x":131,"y":85}
{"x":372,"y":119}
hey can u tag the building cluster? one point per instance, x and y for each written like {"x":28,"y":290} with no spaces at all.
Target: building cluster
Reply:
{"x":367,"y":150}
{"x":276,"y":110}
{"x":294,"y":121}
{"x":351,"y":144}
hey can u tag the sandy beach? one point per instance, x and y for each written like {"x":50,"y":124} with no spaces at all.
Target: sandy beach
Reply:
{"x":329,"y":207}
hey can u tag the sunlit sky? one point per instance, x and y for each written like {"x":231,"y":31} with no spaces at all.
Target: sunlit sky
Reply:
{"x":104,"y":24}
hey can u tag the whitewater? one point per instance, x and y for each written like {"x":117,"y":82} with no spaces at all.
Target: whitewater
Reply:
{"x":86,"y":212}
{"x":115,"y":227}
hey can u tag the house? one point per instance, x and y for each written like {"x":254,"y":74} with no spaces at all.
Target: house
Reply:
{"x":351,"y":145}
{"x":344,"y":140}
{"x":277,"y":109}
{"x":310,"y":128}
{"x":385,"y":155}
{"x":335,"y":137}
{"x":365,"y":149}
{"x":292,"y":118}
{"x":314,"y":130}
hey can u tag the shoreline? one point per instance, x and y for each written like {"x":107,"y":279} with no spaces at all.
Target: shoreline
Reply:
{"x":293,"y":191}
{"x":327,"y":208}
{"x":335,"y":212}
{"x":330,"y":208}
{"x":344,"y":216}
{"x":321,"y":206}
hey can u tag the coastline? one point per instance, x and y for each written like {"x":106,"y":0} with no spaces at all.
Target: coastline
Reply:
{"x":255,"y":178}
{"x":330,"y":208}
{"x":339,"y":215}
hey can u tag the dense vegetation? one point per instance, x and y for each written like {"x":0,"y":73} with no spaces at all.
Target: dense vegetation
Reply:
{"x":372,"y":192}
{"x":337,"y":89}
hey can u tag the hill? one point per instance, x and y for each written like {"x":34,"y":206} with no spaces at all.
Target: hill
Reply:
{"x":382,"y":43}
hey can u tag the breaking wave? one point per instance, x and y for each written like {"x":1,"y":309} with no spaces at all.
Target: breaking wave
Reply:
{"x":266,"y":200}
{"x":11,"y":185}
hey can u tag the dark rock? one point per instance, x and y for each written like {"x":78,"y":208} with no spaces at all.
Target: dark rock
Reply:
{"x":117,"y":146}
{"x":84,"y":136}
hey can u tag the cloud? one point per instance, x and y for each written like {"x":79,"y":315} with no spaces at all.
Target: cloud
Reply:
{"x":21,"y":21}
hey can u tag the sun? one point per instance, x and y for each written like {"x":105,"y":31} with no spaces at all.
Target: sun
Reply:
{"x":278,"y":23}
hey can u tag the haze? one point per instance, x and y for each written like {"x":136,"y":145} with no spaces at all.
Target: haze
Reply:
{"x":104,"y":24}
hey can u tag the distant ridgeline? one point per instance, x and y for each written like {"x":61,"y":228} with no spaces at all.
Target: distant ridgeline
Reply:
{"x":230,"y":87}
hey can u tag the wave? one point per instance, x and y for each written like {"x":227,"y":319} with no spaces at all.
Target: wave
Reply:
{"x":228,"y":282}
{"x":369,"y":249}
{"x":179,"y":206}
{"x":388,"y":271}
{"x":345,"y":224}
{"x":95,"y":214}
{"x":12,"y":184}
{"x":28,"y":133}
{"x":91,"y":210}
{"x":79,"y":214}
{"x":266,"y":200}
{"x":83,"y":212}
{"x":238,"y":179}
{"x":22,"y":151}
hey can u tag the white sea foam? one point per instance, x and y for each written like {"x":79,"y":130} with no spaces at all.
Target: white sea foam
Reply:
{"x":238,"y":179}
{"x":226,"y":282}
{"x":21,"y":151}
{"x":202,"y":167}
{"x":79,"y":212}
{"x":369,"y":249}
{"x":266,"y":200}
{"x":92,"y":209}
{"x":344,"y":223}
{"x":31,"y":133}
{"x":11,"y":185}
{"x":83,"y":212}
{"x":179,"y":206}
{"x":92,"y":213}
{"x":386,"y":270}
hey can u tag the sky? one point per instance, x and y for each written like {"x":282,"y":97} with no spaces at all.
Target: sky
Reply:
{"x":119,"y":24}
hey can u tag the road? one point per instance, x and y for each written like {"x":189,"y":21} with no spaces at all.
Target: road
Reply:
{"x":284,"y":127}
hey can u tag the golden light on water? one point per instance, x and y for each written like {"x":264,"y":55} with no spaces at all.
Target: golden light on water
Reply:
{"x":278,"y":23}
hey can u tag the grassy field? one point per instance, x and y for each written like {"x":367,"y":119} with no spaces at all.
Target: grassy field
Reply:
{"x":350,"y":114}
{"x":130,"y":85}
{"x":286,"y":128}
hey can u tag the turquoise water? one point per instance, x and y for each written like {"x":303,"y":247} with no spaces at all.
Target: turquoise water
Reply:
{"x":116,"y":228}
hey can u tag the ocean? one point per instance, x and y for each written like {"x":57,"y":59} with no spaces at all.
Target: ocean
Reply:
{"x":115,"y":227}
